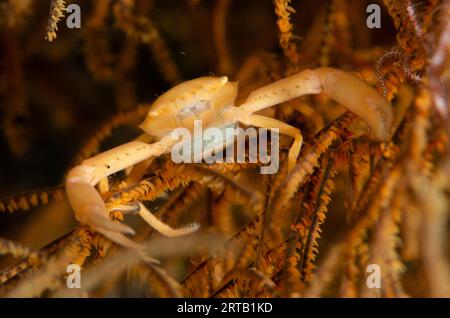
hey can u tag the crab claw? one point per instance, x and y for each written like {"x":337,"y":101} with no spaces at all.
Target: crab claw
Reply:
{"x":91,"y":210}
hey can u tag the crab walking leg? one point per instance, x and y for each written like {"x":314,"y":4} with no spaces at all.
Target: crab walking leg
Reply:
{"x":130,"y":208}
{"x":296,"y":85}
{"x":162,"y":227}
{"x":285,"y":129}
{"x":138,"y":171}
{"x":347,"y":89}
{"x":85,"y":200}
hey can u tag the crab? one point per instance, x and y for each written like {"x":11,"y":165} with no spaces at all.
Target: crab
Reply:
{"x":212,"y":100}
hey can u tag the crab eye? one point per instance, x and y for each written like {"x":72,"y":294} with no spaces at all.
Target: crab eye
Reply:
{"x":223,"y":80}
{"x":194,"y":109}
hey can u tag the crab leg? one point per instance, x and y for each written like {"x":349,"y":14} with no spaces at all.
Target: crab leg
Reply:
{"x":348,"y":90}
{"x":285,"y":129}
{"x":162,"y":227}
{"x":86,"y":201}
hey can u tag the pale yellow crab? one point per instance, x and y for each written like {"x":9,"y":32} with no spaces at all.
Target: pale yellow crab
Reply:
{"x":211,"y":100}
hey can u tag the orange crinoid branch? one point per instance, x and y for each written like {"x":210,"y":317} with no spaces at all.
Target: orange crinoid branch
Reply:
{"x":57,"y":9}
{"x":361,"y":190}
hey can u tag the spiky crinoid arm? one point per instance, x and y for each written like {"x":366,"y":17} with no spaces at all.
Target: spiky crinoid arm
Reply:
{"x":57,"y":11}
